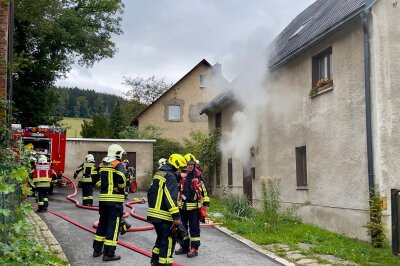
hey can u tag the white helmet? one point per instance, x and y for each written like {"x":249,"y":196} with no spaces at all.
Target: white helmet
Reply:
{"x":90,"y":158}
{"x":162,"y":161}
{"x":42,"y":159}
{"x":116,"y":151}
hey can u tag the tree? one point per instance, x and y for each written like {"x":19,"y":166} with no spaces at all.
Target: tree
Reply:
{"x":147,"y":90}
{"x":117,"y":120}
{"x":51,"y":35}
{"x":99,"y":127}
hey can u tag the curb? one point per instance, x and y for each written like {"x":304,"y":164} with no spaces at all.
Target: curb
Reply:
{"x":254,"y":246}
{"x":44,"y":237}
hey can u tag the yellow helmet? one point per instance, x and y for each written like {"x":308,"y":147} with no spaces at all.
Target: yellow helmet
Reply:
{"x":190,"y":158}
{"x":177,"y":161}
{"x":116,"y":151}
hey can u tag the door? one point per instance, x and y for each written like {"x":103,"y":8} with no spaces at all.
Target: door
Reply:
{"x":248,"y":183}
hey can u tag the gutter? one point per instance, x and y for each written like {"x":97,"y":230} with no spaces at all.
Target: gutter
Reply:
{"x":367,"y":80}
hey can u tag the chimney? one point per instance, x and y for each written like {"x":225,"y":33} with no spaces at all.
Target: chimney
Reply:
{"x":217,"y":70}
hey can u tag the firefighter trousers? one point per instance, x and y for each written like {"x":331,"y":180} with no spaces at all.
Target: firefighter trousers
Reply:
{"x":191,"y":221}
{"x":108,"y":228}
{"x":87,"y":193}
{"x":42,"y":197}
{"x":164,"y":246}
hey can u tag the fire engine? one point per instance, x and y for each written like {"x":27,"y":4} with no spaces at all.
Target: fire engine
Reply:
{"x":47,"y":140}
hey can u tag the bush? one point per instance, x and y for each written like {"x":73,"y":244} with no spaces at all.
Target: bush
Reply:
{"x":375,"y":226}
{"x":237,"y":206}
{"x":15,"y":247}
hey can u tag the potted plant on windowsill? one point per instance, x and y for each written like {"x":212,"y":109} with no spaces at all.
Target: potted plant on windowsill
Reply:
{"x":321,"y":85}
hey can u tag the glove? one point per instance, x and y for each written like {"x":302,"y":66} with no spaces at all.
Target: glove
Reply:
{"x":75,"y":175}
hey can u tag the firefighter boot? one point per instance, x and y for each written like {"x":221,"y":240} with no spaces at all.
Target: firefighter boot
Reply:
{"x":111,"y":258}
{"x":181,"y":251}
{"x":97,"y":254}
{"x":192,"y":253}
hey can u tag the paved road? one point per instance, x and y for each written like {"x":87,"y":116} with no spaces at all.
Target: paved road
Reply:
{"x":217,"y":248}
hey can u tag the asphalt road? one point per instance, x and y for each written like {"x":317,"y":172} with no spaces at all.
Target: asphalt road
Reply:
{"x":216,"y":247}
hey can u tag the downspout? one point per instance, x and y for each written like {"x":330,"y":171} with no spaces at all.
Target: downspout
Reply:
{"x":368,"y":116}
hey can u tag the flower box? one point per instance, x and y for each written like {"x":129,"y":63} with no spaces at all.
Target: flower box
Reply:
{"x":321,"y":86}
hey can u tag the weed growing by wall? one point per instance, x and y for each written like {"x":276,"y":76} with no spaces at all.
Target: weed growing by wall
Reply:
{"x":374,"y":226}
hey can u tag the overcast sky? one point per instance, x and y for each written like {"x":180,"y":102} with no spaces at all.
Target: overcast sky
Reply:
{"x":167,"y":38}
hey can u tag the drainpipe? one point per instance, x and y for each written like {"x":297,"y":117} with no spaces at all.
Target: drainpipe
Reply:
{"x":367,"y":79}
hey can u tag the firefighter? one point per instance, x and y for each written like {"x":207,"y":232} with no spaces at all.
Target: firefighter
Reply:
{"x":192,"y":196}
{"x":112,"y":183}
{"x":163,"y":211}
{"x":41,"y":177}
{"x":89,"y":174}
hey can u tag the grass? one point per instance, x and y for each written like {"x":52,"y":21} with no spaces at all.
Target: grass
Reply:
{"x":260,"y":229}
{"x":73,"y":125}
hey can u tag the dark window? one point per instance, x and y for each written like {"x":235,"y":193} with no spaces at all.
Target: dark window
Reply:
{"x":218,"y":169}
{"x":230,"y":174}
{"x":301,"y":166}
{"x":218,"y":121}
{"x":322,"y":66}
{"x":253,"y":172}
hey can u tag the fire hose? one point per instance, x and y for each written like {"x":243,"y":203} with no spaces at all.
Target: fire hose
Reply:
{"x":125,"y":214}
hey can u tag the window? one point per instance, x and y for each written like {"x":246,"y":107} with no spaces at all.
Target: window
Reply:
{"x":218,"y":121}
{"x":230,"y":174}
{"x":174,"y":113}
{"x":322,"y":66}
{"x":301,"y":166}
{"x":202,"y":81}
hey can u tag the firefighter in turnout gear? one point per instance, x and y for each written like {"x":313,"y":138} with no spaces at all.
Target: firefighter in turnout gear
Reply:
{"x":112,"y":182}
{"x":89,"y":175}
{"x":41,"y":178}
{"x":163,"y":211}
{"x":192,"y":196}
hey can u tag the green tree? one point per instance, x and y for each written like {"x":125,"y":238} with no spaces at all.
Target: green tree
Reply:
{"x":51,"y":35}
{"x":117,"y":120}
{"x":99,"y":127}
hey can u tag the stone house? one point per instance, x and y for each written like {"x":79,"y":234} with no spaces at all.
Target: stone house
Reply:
{"x":327,"y":145}
{"x":177,"y":111}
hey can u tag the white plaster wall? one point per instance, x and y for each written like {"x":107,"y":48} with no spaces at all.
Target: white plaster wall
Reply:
{"x":77,"y":149}
{"x":331,"y":125}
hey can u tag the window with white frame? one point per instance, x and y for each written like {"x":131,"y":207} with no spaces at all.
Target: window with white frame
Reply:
{"x":203,"y":81}
{"x":174,"y":113}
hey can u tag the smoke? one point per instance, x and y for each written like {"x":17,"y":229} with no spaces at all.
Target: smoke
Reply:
{"x":250,"y":92}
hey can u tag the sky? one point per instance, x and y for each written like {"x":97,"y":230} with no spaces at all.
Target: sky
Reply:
{"x":167,"y":38}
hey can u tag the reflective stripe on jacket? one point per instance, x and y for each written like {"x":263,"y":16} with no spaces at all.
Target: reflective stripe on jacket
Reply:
{"x":193,"y":193}
{"x":112,"y":182}
{"x":162,"y":196}
{"x":42,"y":173}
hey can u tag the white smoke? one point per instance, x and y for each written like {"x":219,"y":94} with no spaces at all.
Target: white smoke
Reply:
{"x":251,"y":95}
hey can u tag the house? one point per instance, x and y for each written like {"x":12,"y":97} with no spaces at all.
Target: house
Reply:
{"x":177,"y":111}
{"x":329,"y":145}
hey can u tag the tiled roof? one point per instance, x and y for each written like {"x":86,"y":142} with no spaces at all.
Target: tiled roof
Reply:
{"x":312,"y":25}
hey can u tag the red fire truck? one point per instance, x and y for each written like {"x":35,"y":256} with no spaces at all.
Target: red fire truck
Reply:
{"x":47,"y":140}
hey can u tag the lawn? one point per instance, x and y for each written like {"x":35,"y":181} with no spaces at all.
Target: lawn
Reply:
{"x":265,"y":230}
{"x":73,"y":125}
